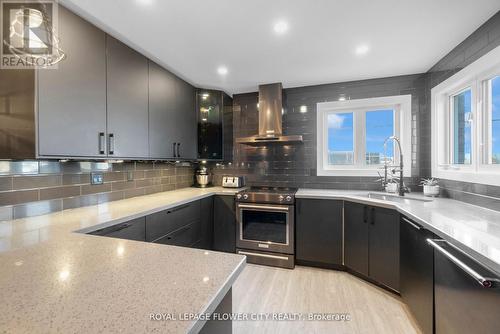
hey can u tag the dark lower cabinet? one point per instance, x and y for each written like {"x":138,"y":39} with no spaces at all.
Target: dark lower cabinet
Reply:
{"x":462,"y":303}
{"x":224,"y":224}
{"x":371,"y":236}
{"x":207,"y":223}
{"x":131,"y":230}
{"x":318,"y":230}
{"x":417,"y":273}
{"x":356,"y":237}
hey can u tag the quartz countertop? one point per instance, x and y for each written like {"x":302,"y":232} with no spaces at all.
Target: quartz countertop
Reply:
{"x":56,"y":280}
{"x":473,"y":229}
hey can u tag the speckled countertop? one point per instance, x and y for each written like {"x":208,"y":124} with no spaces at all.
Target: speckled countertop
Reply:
{"x":53,"y":280}
{"x":473,"y":229}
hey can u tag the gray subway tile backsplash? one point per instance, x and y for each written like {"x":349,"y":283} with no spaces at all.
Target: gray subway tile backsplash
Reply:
{"x":29,"y":188}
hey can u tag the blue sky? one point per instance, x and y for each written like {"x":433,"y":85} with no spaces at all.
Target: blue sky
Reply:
{"x":379,"y":126}
{"x":496,"y":115}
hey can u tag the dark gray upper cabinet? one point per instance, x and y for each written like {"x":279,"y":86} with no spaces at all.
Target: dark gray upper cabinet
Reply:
{"x":72,"y":98}
{"x":127,"y":93}
{"x":186,"y":121}
{"x":163,"y":119}
{"x":318,"y":227}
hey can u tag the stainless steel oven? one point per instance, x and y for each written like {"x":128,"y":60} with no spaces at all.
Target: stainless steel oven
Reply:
{"x":265,"y":226}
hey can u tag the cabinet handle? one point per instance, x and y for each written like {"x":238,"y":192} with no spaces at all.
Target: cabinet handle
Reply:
{"x":102,"y":143}
{"x":178,"y":150}
{"x":178,"y":208}
{"x":173,"y":150}
{"x":111,"y":144}
{"x":406,"y":220}
{"x":485,"y":282}
{"x":365,"y":214}
{"x":372,"y":218}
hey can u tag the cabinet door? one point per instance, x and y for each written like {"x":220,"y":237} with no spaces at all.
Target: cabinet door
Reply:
{"x":186,"y":120}
{"x":207,"y":222}
{"x":163,"y":128}
{"x":384,"y":247}
{"x":72,"y":98}
{"x":417,"y":273}
{"x":164,"y":222}
{"x":131,"y":230}
{"x":210,"y":112}
{"x":127,"y":87}
{"x":224,"y":224}
{"x":318,"y":232}
{"x":356,"y":237}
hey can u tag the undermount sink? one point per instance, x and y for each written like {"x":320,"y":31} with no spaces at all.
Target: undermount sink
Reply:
{"x":397,"y":198}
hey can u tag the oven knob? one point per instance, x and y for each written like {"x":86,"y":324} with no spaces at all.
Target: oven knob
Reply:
{"x":281,"y":198}
{"x":245,"y":196}
{"x":238,"y":196}
{"x":288,"y":198}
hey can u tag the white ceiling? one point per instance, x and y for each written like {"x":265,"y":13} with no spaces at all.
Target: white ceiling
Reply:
{"x":192,"y":38}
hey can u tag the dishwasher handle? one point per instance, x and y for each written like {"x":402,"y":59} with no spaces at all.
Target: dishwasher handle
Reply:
{"x":485,"y":282}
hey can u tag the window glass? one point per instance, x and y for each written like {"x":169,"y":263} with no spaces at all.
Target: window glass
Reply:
{"x":340,"y":139}
{"x":495,"y":120}
{"x":379,"y":126}
{"x":461,"y":104}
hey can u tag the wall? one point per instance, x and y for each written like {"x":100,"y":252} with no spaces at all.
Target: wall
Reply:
{"x":480,"y":42}
{"x":295,"y":165}
{"x":29,"y":188}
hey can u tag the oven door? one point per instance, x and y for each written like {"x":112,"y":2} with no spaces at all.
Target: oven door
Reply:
{"x":265,"y":227}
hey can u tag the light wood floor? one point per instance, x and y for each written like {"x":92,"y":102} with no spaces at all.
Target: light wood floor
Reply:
{"x":261,"y":289}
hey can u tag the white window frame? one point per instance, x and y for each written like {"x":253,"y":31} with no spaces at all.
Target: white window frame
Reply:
{"x":474,"y":76}
{"x":401,"y":104}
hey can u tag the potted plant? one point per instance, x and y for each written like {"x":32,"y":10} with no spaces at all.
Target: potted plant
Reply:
{"x":431,"y":187}
{"x":392,"y":185}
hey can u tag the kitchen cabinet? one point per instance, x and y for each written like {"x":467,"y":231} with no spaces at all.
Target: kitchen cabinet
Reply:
{"x":127,"y":101}
{"x":72,"y":98}
{"x":186,"y":121}
{"x":212,"y":110}
{"x":207,"y":222}
{"x":186,"y":236}
{"x":318,"y":231}
{"x":163,"y":127}
{"x":161,"y":224}
{"x":417,"y":273}
{"x":131,"y":230}
{"x":372,"y":243}
{"x":463,"y":303}
{"x":224,"y":223}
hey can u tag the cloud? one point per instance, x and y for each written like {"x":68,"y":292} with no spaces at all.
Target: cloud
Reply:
{"x":335,"y":121}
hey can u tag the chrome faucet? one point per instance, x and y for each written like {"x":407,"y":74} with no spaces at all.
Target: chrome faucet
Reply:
{"x":402,"y":188}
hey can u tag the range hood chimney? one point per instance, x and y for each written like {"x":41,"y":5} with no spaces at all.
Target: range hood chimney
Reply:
{"x":270,"y":118}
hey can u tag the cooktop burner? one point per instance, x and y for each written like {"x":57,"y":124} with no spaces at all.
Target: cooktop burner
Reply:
{"x":278,"y":195}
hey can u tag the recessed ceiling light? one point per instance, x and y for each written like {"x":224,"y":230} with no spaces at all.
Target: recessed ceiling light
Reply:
{"x":280,"y":27}
{"x":222,"y":70}
{"x":145,"y":2}
{"x":362,"y":49}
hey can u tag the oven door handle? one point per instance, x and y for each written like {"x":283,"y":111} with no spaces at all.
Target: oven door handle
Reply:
{"x":263,"y":207}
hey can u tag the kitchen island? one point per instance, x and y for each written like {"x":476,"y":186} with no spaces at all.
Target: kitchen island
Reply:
{"x":57,"y":280}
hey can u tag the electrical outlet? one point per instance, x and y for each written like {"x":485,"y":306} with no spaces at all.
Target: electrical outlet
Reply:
{"x":96,"y":178}
{"x":130,"y":176}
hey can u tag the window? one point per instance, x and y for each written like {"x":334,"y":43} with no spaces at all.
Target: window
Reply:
{"x":466,"y":123}
{"x":352,"y":134}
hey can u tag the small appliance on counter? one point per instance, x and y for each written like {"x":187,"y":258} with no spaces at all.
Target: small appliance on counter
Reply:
{"x":203,"y":177}
{"x":233,"y":181}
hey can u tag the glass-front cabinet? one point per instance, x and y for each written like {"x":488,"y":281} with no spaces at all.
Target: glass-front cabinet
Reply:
{"x":214,"y":109}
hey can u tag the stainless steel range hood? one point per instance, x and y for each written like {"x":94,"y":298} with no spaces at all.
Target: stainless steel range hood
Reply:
{"x":270,"y":114}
